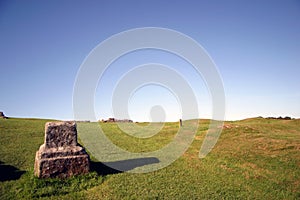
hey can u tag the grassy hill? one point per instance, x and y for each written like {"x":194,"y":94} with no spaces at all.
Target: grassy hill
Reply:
{"x":254,"y":158}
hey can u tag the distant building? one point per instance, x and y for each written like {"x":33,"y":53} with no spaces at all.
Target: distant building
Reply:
{"x":116,"y":120}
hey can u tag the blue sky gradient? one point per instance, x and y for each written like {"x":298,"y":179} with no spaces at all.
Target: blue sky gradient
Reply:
{"x":255,"y":45}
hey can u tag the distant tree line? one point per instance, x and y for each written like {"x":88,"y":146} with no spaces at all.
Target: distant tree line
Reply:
{"x":281,"y":118}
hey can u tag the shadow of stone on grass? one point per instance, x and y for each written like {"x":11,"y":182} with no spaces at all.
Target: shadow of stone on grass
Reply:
{"x":9,"y":172}
{"x":120,"y":166}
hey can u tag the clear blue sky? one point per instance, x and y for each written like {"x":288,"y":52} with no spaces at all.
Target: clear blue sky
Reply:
{"x":255,"y":45}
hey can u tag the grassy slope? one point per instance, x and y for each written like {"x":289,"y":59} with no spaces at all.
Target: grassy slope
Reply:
{"x":254,"y":158}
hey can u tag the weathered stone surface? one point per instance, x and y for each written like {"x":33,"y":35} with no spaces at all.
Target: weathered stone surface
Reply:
{"x":60,"y":134}
{"x":54,"y":152}
{"x":62,"y":167}
{"x":60,"y":155}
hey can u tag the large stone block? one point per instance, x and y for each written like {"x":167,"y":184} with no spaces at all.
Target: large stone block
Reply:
{"x":60,"y":134}
{"x":61,"y":155}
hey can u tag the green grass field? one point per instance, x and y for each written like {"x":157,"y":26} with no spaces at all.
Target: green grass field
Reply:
{"x":253,"y":159}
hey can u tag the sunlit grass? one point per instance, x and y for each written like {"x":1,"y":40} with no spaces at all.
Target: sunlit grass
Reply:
{"x":253,"y":159}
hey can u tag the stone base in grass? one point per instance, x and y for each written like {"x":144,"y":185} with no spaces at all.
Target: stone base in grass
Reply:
{"x":61,"y":163}
{"x":60,"y":155}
